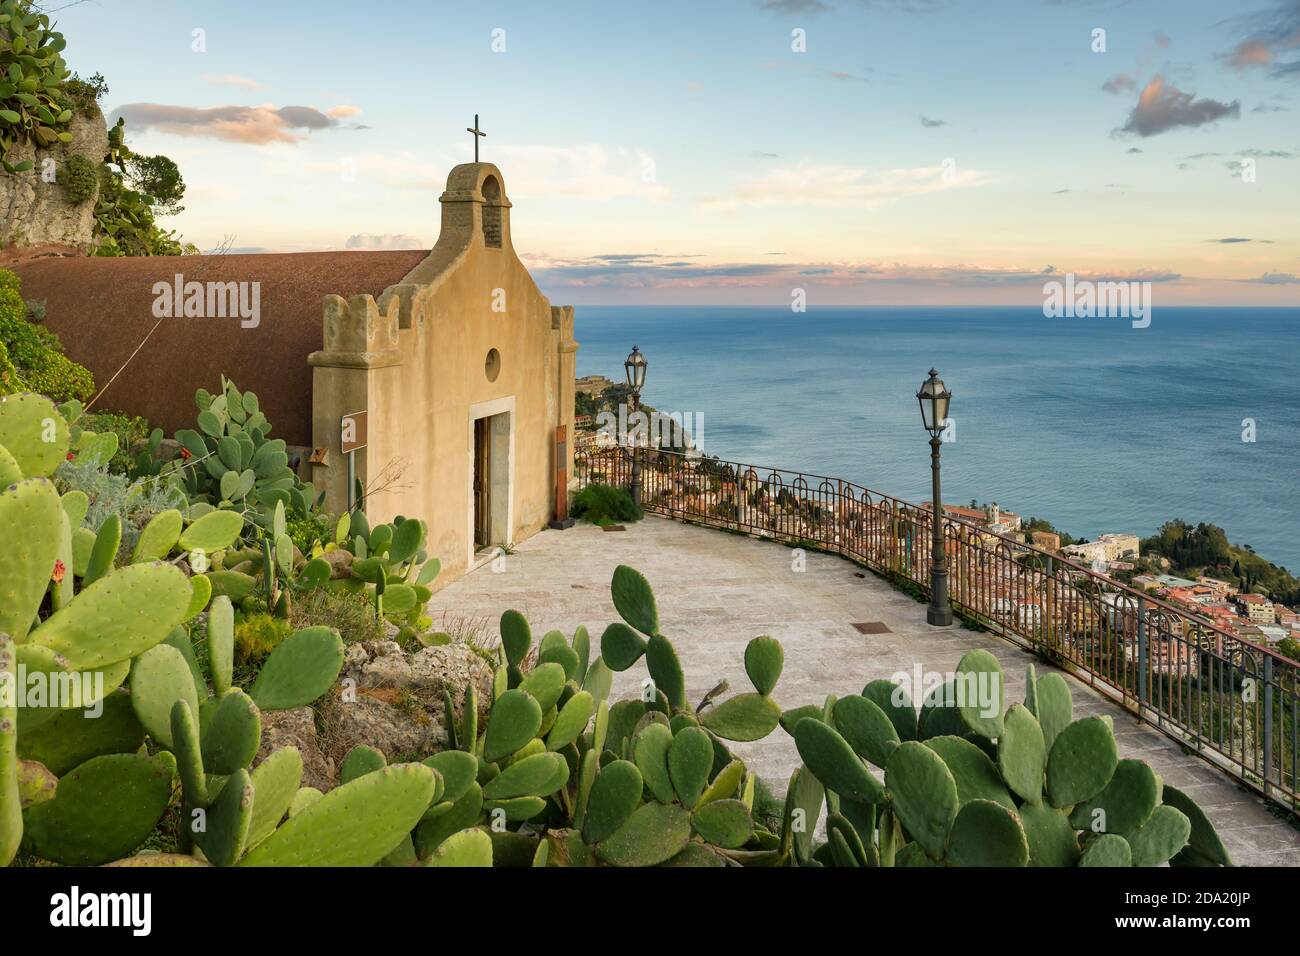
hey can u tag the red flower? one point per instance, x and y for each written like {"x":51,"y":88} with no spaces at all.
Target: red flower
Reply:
{"x":185,"y":454}
{"x":59,"y":572}
{"x":70,"y":456}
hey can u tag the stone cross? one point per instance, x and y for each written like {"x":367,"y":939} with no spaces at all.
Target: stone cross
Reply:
{"x":477,"y":133}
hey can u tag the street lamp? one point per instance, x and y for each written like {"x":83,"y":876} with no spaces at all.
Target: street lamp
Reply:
{"x":934,"y":398}
{"x":635,"y":367}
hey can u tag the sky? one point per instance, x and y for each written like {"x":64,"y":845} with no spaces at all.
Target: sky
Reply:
{"x":869,"y":152}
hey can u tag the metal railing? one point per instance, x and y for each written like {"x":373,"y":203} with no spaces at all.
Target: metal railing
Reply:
{"x":1233,"y":702}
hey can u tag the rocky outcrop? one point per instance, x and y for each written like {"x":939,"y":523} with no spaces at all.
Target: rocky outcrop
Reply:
{"x":297,"y":728}
{"x":36,"y":212}
{"x":392,"y":700}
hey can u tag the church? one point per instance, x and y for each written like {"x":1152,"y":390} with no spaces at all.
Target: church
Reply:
{"x":441,"y":380}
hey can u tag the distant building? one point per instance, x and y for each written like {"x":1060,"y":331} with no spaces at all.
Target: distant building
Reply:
{"x":1047,"y":540}
{"x":1259,"y":609}
{"x":591,"y":384}
{"x":991,"y":518}
{"x":1107,"y":548}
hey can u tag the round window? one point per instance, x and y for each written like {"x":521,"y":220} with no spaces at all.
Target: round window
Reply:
{"x":492,"y":365}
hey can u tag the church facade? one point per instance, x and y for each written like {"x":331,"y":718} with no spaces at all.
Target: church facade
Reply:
{"x":466,"y":371}
{"x":463,"y":369}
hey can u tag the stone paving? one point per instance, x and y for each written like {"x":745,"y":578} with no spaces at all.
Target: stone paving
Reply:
{"x":716,"y":590}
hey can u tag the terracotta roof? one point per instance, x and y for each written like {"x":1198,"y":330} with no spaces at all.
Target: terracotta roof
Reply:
{"x":102,"y":308}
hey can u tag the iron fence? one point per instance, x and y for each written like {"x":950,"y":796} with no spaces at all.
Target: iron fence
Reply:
{"x":1231,"y":701}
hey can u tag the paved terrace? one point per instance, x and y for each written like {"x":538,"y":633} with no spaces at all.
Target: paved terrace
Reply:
{"x":716,"y":590}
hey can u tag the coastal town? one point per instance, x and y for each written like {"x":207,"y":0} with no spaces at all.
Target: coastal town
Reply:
{"x":1017,"y":560}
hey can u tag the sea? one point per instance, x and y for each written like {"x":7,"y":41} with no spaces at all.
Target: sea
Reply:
{"x":1091,"y":423}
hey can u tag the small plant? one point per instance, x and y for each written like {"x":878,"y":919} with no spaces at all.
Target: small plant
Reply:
{"x":129,"y":429}
{"x":257,"y":635}
{"x":605,"y":505}
{"x":35,"y":353}
{"x":348,"y":611}
{"x":80,"y":178}
{"x":33,"y":105}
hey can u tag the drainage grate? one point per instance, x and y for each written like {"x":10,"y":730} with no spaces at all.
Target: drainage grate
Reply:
{"x":614,"y":527}
{"x":872,"y":627}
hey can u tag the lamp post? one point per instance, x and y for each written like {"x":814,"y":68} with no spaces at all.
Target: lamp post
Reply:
{"x":635,"y":367}
{"x":934,"y":398}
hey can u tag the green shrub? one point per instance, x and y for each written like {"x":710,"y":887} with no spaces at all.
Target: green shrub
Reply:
{"x":35,"y":352}
{"x":605,"y":505}
{"x":309,"y":531}
{"x":129,"y":430}
{"x":80,"y":178}
{"x":351,"y":613}
{"x":257,"y":635}
{"x":33,"y":106}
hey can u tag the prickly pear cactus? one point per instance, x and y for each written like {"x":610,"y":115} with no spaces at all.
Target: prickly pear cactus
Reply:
{"x":948,"y":800}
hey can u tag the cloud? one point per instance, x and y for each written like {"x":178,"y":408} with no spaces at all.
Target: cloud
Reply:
{"x":1274,"y":278}
{"x":1162,"y":107}
{"x":366,"y":240}
{"x":809,"y":184}
{"x":1232,"y":240}
{"x":254,"y":125}
{"x":1133,"y":149}
{"x":342,"y":111}
{"x":1269,"y":108}
{"x":812,"y":7}
{"x":1272,"y":40}
{"x":932,"y":123}
{"x":1249,"y":54}
{"x":641,"y":271}
{"x":1119,"y":83}
{"x":232,"y":79}
{"x":592,"y":172}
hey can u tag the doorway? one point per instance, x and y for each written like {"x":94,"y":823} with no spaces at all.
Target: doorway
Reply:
{"x":482,"y":483}
{"x":491,"y":473}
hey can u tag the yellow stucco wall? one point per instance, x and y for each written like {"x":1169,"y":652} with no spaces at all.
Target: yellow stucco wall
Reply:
{"x":415,"y":361}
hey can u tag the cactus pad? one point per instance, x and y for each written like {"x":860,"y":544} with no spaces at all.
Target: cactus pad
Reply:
{"x":987,"y":834}
{"x":1164,"y":834}
{"x":119,"y":616}
{"x":1204,"y":848}
{"x":158,"y":537}
{"x":979,"y":687}
{"x":102,"y":810}
{"x":743,"y":717}
{"x":830,"y":758}
{"x":976,"y":776}
{"x":544,"y":682}
{"x":655,"y":832}
{"x":1052,"y":840}
{"x":764,"y":660}
{"x":1021,"y":754}
{"x":159,"y":678}
{"x":232,"y":735}
{"x":1081,"y":761}
{"x":634,"y":600}
{"x":1052,"y":706}
{"x":464,"y":848}
{"x":614,"y":796}
{"x":724,"y":823}
{"x":650,"y":753}
{"x":620,"y":646}
{"x":221,"y":643}
{"x":353,"y":825}
{"x":924,"y":794}
{"x":571,"y":721}
{"x":866,"y":727}
{"x":33,"y":432}
{"x":536,"y":776}
{"x":275,"y":783}
{"x":516,"y":637}
{"x":1127,"y":802}
{"x":1109,"y":849}
{"x":690,"y":761}
{"x":30,"y":519}
{"x":299,"y":670}
{"x":226,"y":822}
{"x":666,"y":668}
{"x":516,"y":718}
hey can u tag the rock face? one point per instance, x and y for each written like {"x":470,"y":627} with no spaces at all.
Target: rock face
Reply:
{"x":393,"y":701}
{"x":297,"y":728}
{"x":34,"y":211}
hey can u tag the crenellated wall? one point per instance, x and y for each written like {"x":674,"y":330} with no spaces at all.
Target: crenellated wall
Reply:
{"x":416,"y":360}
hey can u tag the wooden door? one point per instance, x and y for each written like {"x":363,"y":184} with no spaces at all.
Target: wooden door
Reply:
{"x":482,"y":482}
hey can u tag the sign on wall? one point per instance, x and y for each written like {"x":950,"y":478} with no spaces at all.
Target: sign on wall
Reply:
{"x":353,"y":434}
